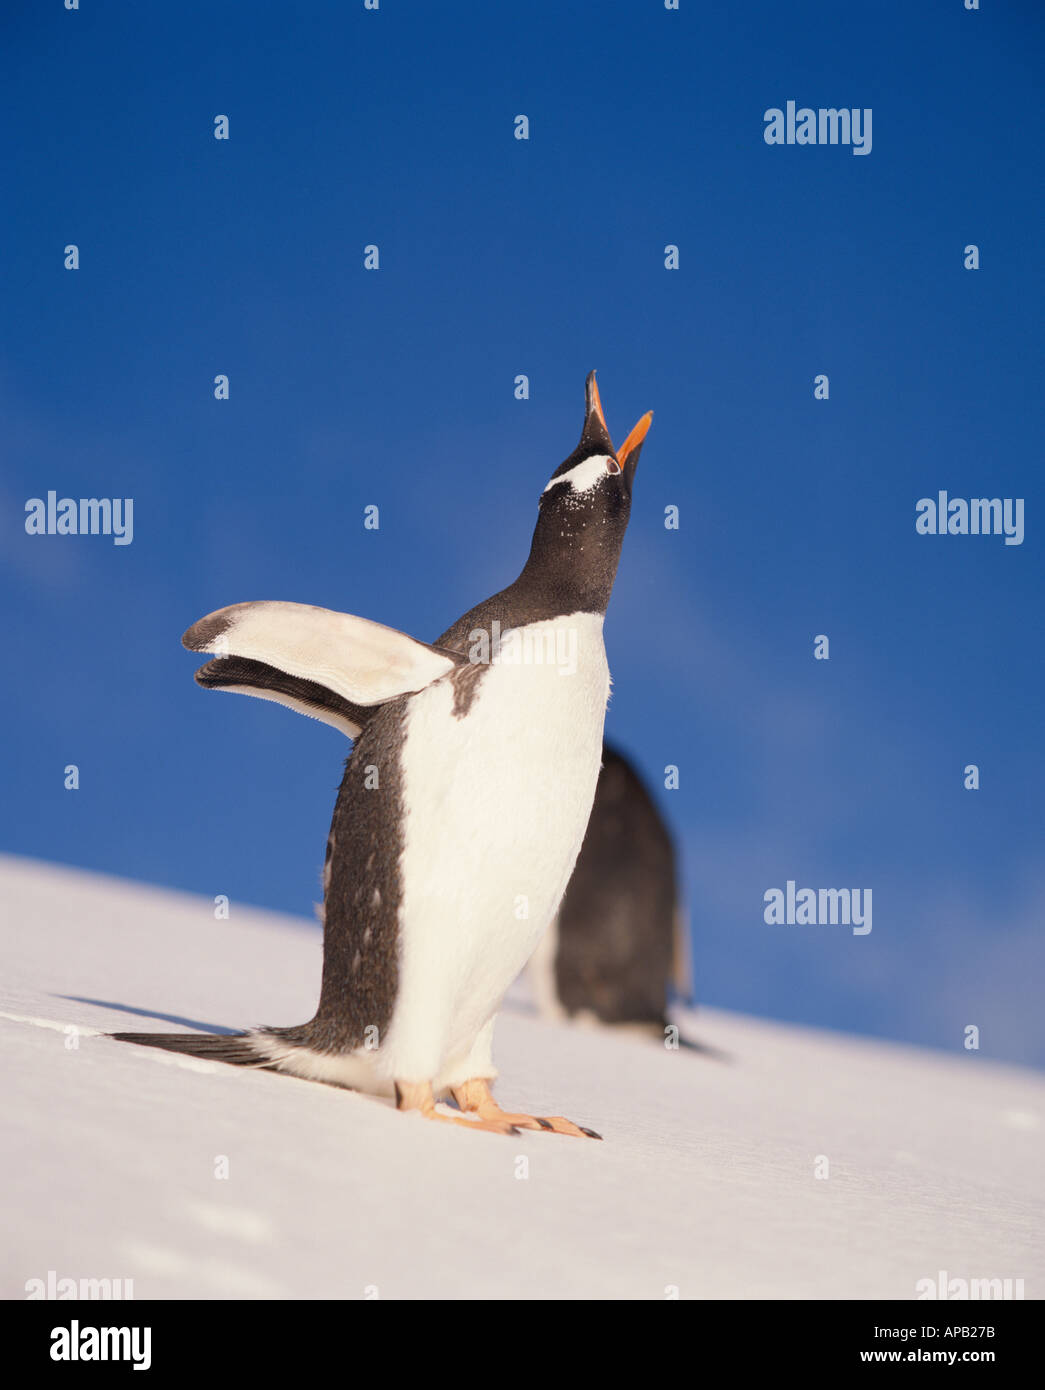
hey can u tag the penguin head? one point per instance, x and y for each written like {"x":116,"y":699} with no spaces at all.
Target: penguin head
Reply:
{"x":585,"y":506}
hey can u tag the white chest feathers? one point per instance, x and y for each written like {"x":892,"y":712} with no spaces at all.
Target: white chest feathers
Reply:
{"x":496,"y":805}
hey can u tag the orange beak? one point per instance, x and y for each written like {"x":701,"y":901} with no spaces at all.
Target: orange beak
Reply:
{"x":596,"y":403}
{"x":635,"y":439}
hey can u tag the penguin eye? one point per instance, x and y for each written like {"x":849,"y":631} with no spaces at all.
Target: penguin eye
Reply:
{"x":612,"y":466}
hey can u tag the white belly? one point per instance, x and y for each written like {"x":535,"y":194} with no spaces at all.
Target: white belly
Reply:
{"x":496,"y":807}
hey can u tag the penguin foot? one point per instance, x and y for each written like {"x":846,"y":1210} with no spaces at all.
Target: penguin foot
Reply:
{"x":502,"y":1125}
{"x":555,"y":1124}
{"x":418,"y":1096}
{"x":476,"y":1098}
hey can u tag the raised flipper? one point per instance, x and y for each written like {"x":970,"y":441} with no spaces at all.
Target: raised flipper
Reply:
{"x":334,"y":660}
{"x":245,"y":677}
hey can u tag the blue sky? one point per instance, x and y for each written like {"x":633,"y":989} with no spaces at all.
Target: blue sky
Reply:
{"x":395,"y":387}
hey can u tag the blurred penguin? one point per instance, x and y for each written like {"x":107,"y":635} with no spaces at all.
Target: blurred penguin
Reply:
{"x":618,"y":950}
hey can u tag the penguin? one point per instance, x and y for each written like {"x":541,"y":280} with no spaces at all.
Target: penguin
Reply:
{"x":619,"y":945}
{"x":463,"y":804}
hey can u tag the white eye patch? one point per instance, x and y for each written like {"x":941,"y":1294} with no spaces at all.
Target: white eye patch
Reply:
{"x":584,"y":476}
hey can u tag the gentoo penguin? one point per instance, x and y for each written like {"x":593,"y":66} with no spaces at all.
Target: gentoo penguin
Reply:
{"x":463,"y":805}
{"x":619,"y":943}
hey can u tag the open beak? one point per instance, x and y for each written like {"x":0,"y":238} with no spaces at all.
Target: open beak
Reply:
{"x":595,"y":434}
{"x":628,"y":453}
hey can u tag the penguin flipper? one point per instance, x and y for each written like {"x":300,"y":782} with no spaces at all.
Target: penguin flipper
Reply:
{"x":245,"y":677}
{"x":362,"y":662}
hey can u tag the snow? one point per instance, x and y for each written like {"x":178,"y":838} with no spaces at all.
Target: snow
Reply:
{"x":705,"y":1182}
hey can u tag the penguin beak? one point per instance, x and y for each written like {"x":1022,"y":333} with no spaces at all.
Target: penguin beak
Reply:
{"x":595,"y":436}
{"x":629,"y":451}
{"x":594,"y":401}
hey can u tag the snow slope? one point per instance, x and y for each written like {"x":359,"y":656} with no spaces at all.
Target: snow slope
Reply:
{"x":705,"y":1181}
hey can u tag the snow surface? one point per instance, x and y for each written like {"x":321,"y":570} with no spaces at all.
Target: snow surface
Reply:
{"x":705,"y":1181}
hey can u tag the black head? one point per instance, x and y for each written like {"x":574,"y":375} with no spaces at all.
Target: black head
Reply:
{"x":584,"y":511}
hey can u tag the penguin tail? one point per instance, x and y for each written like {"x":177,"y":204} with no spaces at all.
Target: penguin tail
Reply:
{"x":289,"y":1051}
{"x":237,"y":1049}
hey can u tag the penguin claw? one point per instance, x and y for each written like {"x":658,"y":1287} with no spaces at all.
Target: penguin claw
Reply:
{"x":501,"y":1125}
{"x":561,"y":1125}
{"x":475,"y":1098}
{"x":554,"y":1124}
